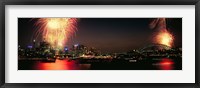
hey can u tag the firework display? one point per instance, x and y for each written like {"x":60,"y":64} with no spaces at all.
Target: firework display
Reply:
{"x":56,"y":31}
{"x":100,"y":44}
{"x":162,"y":36}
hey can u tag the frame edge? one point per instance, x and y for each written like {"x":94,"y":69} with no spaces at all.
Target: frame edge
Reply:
{"x":197,"y":48}
{"x":2,"y":44}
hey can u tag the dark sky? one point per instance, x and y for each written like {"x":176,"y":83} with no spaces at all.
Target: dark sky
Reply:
{"x":108,"y":34}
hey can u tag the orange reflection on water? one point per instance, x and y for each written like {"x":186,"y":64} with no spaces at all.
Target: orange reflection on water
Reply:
{"x":166,"y":64}
{"x":57,"y":65}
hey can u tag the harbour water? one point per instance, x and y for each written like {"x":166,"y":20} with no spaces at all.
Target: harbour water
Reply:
{"x":69,"y":64}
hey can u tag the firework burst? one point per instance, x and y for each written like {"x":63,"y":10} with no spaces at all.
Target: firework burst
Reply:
{"x":162,"y":36}
{"x":56,"y":31}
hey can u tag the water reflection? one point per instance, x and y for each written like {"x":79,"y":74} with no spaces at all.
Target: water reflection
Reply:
{"x":165,"y":64}
{"x":67,"y":64}
{"x":60,"y":65}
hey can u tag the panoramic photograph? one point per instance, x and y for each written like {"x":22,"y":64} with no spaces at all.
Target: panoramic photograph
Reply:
{"x":99,"y":43}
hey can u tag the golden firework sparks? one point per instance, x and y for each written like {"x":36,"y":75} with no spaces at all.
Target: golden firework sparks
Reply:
{"x":56,"y":31}
{"x":163,"y":36}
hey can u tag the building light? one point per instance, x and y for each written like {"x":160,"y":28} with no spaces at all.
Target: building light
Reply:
{"x":76,"y":45}
{"x":66,"y":49}
{"x":30,"y":46}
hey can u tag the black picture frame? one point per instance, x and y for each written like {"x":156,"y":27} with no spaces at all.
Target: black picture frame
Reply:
{"x":3,"y":3}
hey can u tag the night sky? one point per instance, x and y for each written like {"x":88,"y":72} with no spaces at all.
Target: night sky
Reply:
{"x":107,"y":34}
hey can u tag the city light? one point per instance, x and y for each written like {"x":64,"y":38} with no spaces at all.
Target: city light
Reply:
{"x":76,"y":45}
{"x":30,"y":46}
{"x":66,"y":49}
